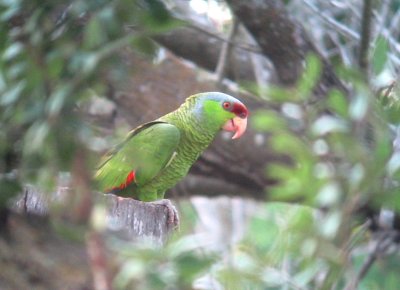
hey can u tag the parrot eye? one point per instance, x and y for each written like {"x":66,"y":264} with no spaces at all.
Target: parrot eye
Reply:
{"x":226,"y":105}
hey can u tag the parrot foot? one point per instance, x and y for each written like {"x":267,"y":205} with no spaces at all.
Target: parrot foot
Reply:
{"x":173,"y":216}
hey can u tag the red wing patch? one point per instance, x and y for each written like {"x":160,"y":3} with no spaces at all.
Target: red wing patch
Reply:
{"x":129,"y":179}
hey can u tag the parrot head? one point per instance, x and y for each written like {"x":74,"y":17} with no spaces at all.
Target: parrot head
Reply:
{"x":221,"y":110}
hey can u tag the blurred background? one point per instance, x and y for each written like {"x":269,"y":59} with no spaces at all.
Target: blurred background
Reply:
{"x":308,"y":198}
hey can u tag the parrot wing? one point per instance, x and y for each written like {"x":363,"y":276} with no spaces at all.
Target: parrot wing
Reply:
{"x":146,"y":151}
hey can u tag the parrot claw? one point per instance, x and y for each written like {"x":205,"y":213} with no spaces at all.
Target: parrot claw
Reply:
{"x":173,"y":215}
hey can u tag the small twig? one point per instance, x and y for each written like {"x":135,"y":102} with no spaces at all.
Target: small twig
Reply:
{"x":365,"y":37}
{"x":353,"y":35}
{"x":243,"y":46}
{"x":225,"y":53}
{"x":344,"y":52}
{"x":238,"y":45}
{"x":25,"y":200}
{"x":382,"y":244}
{"x":394,"y":24}
{"x":380,"y":248}
{"x":383,"y":15}
{"x":389,"y":89}
{"x":332,"y":22}
{"x":388,"y":34}
{"x":358,"y":235}
{"x":384,"y":92}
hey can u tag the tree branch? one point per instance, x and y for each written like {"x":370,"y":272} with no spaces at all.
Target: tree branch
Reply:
{"x":365,"y":37}
{"x":283,"y":41}
{"x":344,"y":30}
{"x":226,"y":53}
{"x":381,"y":246}
{"x":132,"y":219}
{"x":202,"y":47}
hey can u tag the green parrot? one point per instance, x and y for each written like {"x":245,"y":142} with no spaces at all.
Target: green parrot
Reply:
{"x":156,"y":155}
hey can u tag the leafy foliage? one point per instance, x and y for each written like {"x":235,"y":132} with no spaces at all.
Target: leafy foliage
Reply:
{"x":54,"y":55}
{"x":341,"y":155}
{"x":341,"y":160}
{"x":149,"y":267}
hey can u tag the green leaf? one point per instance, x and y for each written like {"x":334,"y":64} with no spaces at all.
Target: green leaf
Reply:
{"x":55,"y":65}
{"x":144,"y":45}
{"x":157,"y":18}
{"x":57,"y":100}
{"x":329,"y":195}
{"x":310,"y":76}
{"x":11,"y":9}
{"x":359,"y":106}
{"x":263,"y":229}
{"x":338,"y":103}
{"x":35,"y":136}
{"x":94,"y":34}
{"x":392,"y":114}
{"x":11,"y":95}
{"x":380,"y":55}
{"x":279,"y":94}
{"x":291,"y":145}
{"x":9,"y":188}
{"x":12,"y":51}
{"x":266,"y":121}
{"x":329,"y":224}
{"x":328,"y":124}
{"x":393,"y":165}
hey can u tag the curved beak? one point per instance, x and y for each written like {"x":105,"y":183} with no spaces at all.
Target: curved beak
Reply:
{"x":237,"y":125}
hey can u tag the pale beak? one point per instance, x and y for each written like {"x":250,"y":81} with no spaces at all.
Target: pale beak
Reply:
{"x":237,"y":125}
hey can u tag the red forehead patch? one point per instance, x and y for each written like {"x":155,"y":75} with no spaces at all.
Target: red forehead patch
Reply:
{"x":240,"y":110}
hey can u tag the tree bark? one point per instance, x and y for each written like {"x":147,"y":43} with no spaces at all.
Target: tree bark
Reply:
{"x":281,"y":39}
{"x":202,"y":48}
{"x":129,"y":218}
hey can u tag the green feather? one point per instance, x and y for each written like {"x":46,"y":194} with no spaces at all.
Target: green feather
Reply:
{"x":137,"y":154}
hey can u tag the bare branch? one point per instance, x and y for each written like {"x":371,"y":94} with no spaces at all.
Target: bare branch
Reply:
{"x":344,"y":51}
{"x":226,"y":52}
{"x":365,"y":37}
{"x":387,"y":33}
{"x":202,"y":47}
{"x":381,"y":246}
{"x":394,"y":25}
{"x":383,"y":14}
{"x":344,"y":30}
{"x":239,"y":45}
{"x":284,"y":41}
